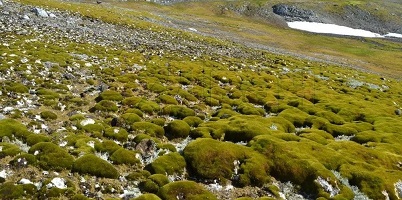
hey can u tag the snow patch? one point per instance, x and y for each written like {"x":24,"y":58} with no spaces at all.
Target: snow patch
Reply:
{"x":395,"y":35}
{"x":332,"y":29}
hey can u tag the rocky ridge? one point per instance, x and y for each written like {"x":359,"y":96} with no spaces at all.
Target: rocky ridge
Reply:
{"x":97,"y":93}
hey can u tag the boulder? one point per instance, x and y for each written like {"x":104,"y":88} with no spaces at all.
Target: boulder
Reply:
{"x":40,"y":12}
{"x":1,"y":3}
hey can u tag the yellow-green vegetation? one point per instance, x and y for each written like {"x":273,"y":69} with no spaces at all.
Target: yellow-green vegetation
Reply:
{"x":189,"y":189}
{"x":177,"y":129}
{"x":153,"y":183}
{"x":171,"y":163}
{"x":254,"y":116}
{"x":148,"y":197}
{"x":124,"y":156}
{"x":90,"y":164}
{"x":213,"y":159}
{"x":51,"y":156}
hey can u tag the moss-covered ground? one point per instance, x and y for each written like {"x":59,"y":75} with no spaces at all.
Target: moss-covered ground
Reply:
{"x":252,"y":120}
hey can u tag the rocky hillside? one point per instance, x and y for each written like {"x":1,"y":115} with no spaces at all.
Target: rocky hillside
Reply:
{"x":100,"y":102}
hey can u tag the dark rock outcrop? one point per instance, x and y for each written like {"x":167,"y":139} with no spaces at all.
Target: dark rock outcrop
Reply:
{"x":293,"y":13}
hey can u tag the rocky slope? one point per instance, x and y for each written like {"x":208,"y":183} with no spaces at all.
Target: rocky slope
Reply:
{"x":97,"y":110}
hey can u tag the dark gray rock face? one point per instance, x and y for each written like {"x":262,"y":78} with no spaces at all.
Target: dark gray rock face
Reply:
{"x":293,"y":13}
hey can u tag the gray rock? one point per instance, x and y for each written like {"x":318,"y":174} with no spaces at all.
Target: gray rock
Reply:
{"x":398,"y":112}
{"x":68,"y":76}
{"x":40,"y":12}
{"x":25,"y":17}
{"x":146,"y":147}
{"x":51,"y":15}
{"x":2,"y":116}
{"x":102,"y":87}
{"x":1,"y":3}
{"x":293,"y":13}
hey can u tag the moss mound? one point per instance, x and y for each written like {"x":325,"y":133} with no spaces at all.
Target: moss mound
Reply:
{"x":211,"y":159}
{"x":184,"y":189}
{"x":153,"y":183}
{"x":148,"y":197}
{"x":178,"y":111}
{"x":105,"y":106}
{"x":118,"y":134}
{"x":148,"y":128}
{"x":110,"y":95}
{"x":193,"y":121}
{"x":171,"y":163}
{"x":92,"y":165}
{"x":124,"y":156}
{"x":12,"y":128}
{"x":51,"y":157}
{"x":8,"y":149}
{"x":177,"y":129}
{"x":48,"y":115}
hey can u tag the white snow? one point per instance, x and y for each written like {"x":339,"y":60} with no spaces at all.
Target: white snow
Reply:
{"x":337,"y":30}
{"x":396,"y":35}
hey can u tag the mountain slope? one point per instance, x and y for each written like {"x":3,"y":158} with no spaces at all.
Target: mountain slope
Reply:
{"x":136,"y":102}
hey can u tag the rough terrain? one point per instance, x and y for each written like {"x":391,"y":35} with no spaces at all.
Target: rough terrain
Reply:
{"x":98,"y":110}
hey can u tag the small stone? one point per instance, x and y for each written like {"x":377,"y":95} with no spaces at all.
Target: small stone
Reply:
{"x":25,"y":181}
{"x":25,"y":17}
{"x":51,"y":15}
{"x":68,"y":76}
{"x":40,"y":12}
{"x":87,"y":121}
{"x":24,"y":60}
{"x":1,"y":3}
{"x":398,"y":112}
